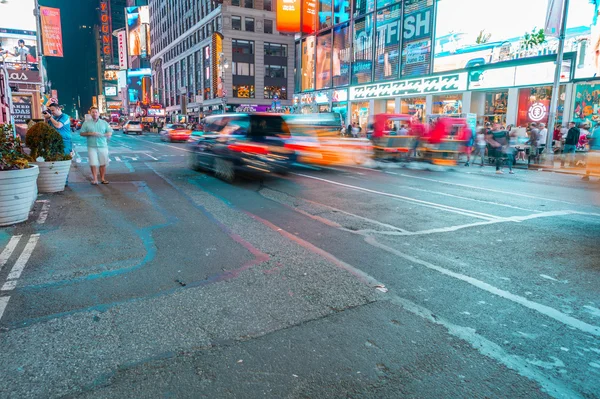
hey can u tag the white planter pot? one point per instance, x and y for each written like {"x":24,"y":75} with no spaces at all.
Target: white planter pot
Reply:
{"x":53,"y":176}
{"x":18,"y":191}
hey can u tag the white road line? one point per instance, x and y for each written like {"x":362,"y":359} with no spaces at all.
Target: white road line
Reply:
{"x":427,"y":204}
{"x":9,"y":285}
{"x":162,"y":145}
{"x":488,"y":189}
{"x":44,"y":212}
{"x":20,"y":264}
{"x":156,"y":159}
{"x":10,"y":247}
{"x":3,"y":303}
{"x":538,"y":307}
{"x":118,"y":159}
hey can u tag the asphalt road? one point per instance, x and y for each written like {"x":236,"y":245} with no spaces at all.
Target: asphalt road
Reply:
{"x":340,"y":282}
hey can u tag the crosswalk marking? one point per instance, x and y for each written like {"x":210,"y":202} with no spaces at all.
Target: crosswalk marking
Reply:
{"x":3,"y":303}
{"x":10,"y":247}
{"x":21,"y":262}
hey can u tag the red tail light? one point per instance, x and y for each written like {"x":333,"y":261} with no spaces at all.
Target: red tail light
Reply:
{"x":249,"y":148}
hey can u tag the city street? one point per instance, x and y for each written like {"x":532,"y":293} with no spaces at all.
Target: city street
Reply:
{"x":338,"y":282}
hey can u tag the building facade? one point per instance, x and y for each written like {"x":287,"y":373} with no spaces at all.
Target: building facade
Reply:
{"x":364,"y":57}
{"x":211,"y":57}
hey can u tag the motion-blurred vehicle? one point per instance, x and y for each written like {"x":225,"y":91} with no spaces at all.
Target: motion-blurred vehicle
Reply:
{"x":114,"y":126}
{"x":175,"y":132}
{"x":74,"y":124}
{"x":132,"y":127}
{"x":243,"y":144}
{"x":395,"y":135}
{"x":316,"y":140}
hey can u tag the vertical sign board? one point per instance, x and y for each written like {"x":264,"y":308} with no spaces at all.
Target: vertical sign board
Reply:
{"x":122,"y":46}
{"x":22,"y":107}
{"x":51,"y":32}
{"x":106,"y":32}
{"x":417,"y":37}
{"x":217,"y":68}
{"x":309,"y":16}
{"x":288,"y":16}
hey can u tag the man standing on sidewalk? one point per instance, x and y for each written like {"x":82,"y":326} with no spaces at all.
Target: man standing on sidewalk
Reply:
{"x":499,"y":140}
{"x":570,"y":144}
{"x":97,"y":132}
{"x":62,"y":123}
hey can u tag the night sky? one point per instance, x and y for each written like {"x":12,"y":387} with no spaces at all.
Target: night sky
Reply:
{"x":71,"y":75}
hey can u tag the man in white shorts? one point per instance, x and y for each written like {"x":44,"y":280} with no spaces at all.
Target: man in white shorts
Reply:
{"x":97,"y":132}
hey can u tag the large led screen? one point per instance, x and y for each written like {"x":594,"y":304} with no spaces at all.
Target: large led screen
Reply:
{"x":342,"y":55}
{"x":138,"y":31}
{"x":387,"y":44}
{"x":324,"y":46}
{"x":362,"y":65}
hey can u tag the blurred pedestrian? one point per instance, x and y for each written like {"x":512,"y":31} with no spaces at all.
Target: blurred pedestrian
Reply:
{"x":571,"y":141}
{"x":481,"y":144}
{"x":97,"y":132}
{"x":593,"y":156}
{"x":543,"y":136}
{"x":534,"y":136}
{"x":499,"y":140}
{"x":468,"y":138}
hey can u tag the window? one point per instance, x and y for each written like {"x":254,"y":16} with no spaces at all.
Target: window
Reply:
{"x":308,"y":63}
{"x":279,"y":92}
{"x":387,"y":44}
{"x":362,"y":7}
{"x":242,"y":46}
{"x":324,"y":14}
{"x":249,"y":3}
{"x":236,"y":22}
{"x":242,"y":68}
{"x":249,"y":27}
{"x":323,"y":67}
{"x":341,"y":11}
{"x":268,"y":26}
{"x":268,"y":5}
{"x":243,"y":91}
{"x":235,"y":3}
{"x":275,"y":71}
{"x":363,"y":50}
{"x":341,"y":55}
{"x":276,"y":50}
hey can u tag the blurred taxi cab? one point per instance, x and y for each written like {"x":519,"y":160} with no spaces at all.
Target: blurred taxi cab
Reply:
{"x":175,"y":132}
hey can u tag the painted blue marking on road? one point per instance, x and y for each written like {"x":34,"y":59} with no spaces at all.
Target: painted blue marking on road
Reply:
{"x":129,"y":166}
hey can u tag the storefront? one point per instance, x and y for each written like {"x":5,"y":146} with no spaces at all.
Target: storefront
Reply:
{"x":450,"y":105}
{"x":586,"y":103}
{"x":415,"y":107}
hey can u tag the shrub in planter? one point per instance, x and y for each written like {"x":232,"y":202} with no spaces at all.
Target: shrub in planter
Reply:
{"x":18,"y":189}
{"x":47,"y":151}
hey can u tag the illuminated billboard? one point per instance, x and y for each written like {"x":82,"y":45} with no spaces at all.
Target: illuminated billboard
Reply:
{"x":110,"y":91}
{"x":106,"y":32}
{"x":139,"y":84}
{"x":309,"y":16}
{"x":138,"y":31}
{"x":288,"y":16}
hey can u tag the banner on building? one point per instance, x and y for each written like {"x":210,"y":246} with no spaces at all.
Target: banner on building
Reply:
{"x":554,"y":17}
{"x":309,"y":16}
{"x":122,"y":46}
{"x":106,"y":32}
{"x":288,"y":16}
{"x":51,"y":32}
{"x":417,"y":37}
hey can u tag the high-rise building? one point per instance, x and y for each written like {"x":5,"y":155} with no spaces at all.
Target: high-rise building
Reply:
{"x":210,"y":57}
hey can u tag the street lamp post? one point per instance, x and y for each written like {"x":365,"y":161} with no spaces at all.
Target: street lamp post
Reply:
{"x":549,"y":153}
{"x":223,"y":65}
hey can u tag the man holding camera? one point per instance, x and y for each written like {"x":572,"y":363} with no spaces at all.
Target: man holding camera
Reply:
{"x":61,"y":122}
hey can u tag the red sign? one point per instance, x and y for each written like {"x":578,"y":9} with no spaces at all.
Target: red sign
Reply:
{"x":106,"y":32}
{"x":288,"y":16}
{"x":51,"y":32}
{"x":309,"y":16}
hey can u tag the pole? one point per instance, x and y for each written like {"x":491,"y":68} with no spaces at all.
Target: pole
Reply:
{"x":40,"y":51}
{"x":549,"y":154}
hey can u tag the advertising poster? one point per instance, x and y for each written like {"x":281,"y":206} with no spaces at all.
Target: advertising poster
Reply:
{"x":288,"y":16}
{"x":22,"y":108}
{"x":323,"y":66}
{"x":137,"y":81}
{"x":138,"y":31}
{"x":587,"y":104}
{"x":324,"y":20}
{"x":341,"y":11}
{"x":308,"y":63}
{"x":342,"y":55}
{"x":217,"y":49}
{"x":418,"y":35}
{"x":51,"y":32}
{"x":462,"y":41}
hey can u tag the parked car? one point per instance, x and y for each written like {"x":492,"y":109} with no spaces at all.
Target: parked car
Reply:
{"x":175,"y":132}
{"x":132,"y":127}
{"x":115,"y":126}
{"x":243,"y":143}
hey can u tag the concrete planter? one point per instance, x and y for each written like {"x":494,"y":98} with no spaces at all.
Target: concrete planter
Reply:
{"x":18,"y":191}
{"x":53,"y":176}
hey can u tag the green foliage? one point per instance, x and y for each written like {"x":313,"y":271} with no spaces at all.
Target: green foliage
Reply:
{"x":11,"y":149}
{"x":533,"y":39}
{"x":44,"y":141}
{"x":483,"y":37}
